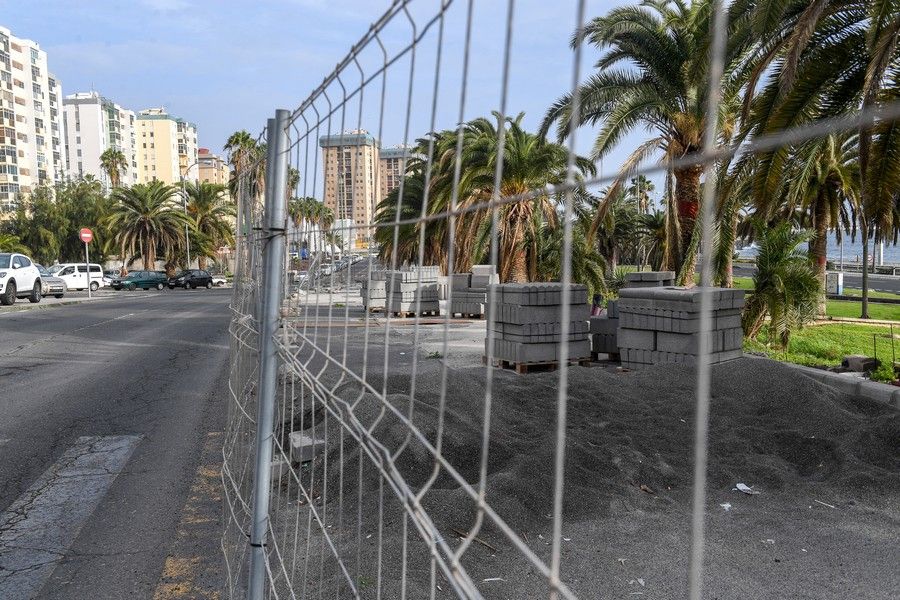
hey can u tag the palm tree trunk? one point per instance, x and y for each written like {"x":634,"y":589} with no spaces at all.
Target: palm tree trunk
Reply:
{"x":687,"y":199}
{"x":818,"y":248}
{"x":201,"y":262}
{"x":518,"y":269}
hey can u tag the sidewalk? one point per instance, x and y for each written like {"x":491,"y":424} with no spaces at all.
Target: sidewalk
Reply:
{"x":49,"y":302}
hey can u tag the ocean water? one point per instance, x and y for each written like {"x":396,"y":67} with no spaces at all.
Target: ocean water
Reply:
{"x":852,"y":250}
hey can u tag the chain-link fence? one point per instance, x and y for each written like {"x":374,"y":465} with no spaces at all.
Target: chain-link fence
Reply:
{"x":400,"y":459}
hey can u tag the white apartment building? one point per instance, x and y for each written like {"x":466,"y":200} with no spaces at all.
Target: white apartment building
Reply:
{"x":94,"y":124}
{"x":31,"y":150}
{"x":166,"y":147}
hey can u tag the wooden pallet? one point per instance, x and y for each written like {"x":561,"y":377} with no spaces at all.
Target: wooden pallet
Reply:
{"x":595,"y":356}
{"x":411,"y":314}
{"x":376,"y":309}
{"x":524,"y":368}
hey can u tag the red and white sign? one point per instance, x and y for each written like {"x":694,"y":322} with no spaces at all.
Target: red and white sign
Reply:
{"x":86,"y":235}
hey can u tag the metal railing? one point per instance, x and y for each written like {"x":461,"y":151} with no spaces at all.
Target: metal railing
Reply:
{"x":339,"y":476}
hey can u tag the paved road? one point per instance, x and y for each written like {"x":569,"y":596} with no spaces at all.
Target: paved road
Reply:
{"x":107,"y":409}
{"x":880,"y":283}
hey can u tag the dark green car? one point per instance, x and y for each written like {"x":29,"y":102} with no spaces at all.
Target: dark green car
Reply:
{"x":140,"y":279}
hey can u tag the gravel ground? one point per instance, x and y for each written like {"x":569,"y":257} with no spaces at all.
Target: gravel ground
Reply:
{"x":824,"y":524}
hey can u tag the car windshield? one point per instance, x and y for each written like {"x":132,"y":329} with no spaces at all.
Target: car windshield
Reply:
{"x":4,"y":260}
{"x":55,"y":269}
{"x":42,"y":270}
{"x":133,"y":275}
{"x":184,"y":273}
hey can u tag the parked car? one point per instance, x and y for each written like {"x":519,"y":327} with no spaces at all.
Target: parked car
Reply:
{"x":76,"y":275}
{"x":219,"y":280}
{"x":51,"y":286}
{"x":190,"y":279}
{"x":19,"y":278}
{"x":141,"y":279}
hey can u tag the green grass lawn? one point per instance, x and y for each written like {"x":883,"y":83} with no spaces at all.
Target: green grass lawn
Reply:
{"x":846,"y":308}
{"x":826,"y":345}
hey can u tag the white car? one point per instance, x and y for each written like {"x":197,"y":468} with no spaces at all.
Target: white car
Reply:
{"x":76,"y":276}
{"x":219,"y":281}
{"x":19,"y":278}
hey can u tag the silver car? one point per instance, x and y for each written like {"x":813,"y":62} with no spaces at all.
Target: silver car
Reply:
{"x":50,"y":285}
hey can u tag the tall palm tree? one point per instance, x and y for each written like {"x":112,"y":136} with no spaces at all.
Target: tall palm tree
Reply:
{"x":247,"y":159}
{"x":836,"y":57}
{"x":213,"y":217}
{"x":654,"y":74}
{"x":147,"y":220}
{"x":785,"y":286}
{"x":640,"y":190}
{"x":114,"y":163}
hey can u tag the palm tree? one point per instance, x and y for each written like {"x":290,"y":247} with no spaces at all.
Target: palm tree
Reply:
{"x":785,"y":285}
{"x":654,"y":74}
{"x":247,"y":159}
{"x":146,"y":219}
{"x":835,"y":57}
{"x":11,"y":243}
{"x":639,"y":191}
{"x":212,"y":215}
{"x":114,"y":163}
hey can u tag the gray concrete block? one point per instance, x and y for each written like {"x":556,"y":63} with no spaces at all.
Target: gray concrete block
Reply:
{"x":482,"y":281}
{"x":514,"y":313}
{"x":395,"y":305}
{"x":528,"y":329}
{"x":538,"y":294}
{"x":517,"y":352}
{"x":484,"y":269}
{"x":603,"y":325}
{"x":426,"y":295}
{"x":460,"y":281}
{"x":612,"y":309}
{"x":604,"y":344}
{"x":411,"y":286}
{"x":637,"y":339}
{"x":304,"y":448}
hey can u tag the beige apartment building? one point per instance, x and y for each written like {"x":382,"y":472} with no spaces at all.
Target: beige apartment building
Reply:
{"x":350,"y":163}
{"x":390,"y":169}
{"x":166,"y":147}
{"x":31,"y":149}
{"x":213,"y":168}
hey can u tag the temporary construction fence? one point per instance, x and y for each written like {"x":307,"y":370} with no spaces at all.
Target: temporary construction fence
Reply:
{"x":338,"y":472}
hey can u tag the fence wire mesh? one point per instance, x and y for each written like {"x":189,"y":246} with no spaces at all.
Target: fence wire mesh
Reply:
{"x":394,"y":430}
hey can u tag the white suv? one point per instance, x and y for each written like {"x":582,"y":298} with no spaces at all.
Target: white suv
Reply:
{"x":19,"y":278}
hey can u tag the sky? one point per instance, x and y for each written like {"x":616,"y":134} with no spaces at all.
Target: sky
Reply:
{"x":226,"y":65}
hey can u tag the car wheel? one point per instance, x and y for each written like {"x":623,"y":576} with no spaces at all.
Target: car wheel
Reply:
{"x":57,"y":295}
{"x":209,"y":285}
{"x":35,"y":296}
{"x":171,"y":287}
{"x":10,"y":296}
{"x":130,"y":287}
{"x":159,"y":286}
{"x":188,"y":286}
{"x":94,"y":286}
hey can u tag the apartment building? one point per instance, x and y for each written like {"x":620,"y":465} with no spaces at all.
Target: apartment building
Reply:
{"x":92,"y":125}
{"x":166,"y":147}
{"x":31,"y":150}
{"x":213,"y":168}
{"x":350,"y":162}
{"x":390,"y":169}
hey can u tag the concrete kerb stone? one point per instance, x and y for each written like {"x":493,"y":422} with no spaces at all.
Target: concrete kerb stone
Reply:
{"x":873,"y":390}
{"x":305,"y":448}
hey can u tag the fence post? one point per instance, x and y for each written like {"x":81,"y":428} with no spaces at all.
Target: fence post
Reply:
{"x":273,"y":263}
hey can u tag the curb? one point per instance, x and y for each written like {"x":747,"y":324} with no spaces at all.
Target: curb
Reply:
{"x":879,"y":392}
{"x":41,"y":306}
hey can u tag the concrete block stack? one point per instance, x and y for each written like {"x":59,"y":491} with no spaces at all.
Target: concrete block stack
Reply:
{"x":469,"y":296}
{"x":662,"y":325}
{"x":527,"y":324}
{"x":603,"y":331}
{"x":643,"y":279}
{"x":412,"y":290}
{"x":374,"y":293}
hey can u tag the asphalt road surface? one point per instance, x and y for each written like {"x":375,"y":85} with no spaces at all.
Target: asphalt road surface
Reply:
{"x":109,"y":413}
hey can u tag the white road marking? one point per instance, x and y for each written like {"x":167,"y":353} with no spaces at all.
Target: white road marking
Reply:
{"x":40,"y":526}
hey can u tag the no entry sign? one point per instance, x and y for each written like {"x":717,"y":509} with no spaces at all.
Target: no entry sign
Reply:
{"x":86,"y":235}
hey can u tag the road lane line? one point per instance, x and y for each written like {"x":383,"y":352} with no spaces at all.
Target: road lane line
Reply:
{"x":38,"y":528}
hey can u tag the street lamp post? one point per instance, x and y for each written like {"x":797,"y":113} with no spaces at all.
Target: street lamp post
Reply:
{"x":187,"y":237}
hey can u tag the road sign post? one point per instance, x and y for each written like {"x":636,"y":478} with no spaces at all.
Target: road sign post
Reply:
{"x":86,"y":235}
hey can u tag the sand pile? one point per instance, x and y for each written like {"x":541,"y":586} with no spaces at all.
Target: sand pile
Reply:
{"x":629,"y":460}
